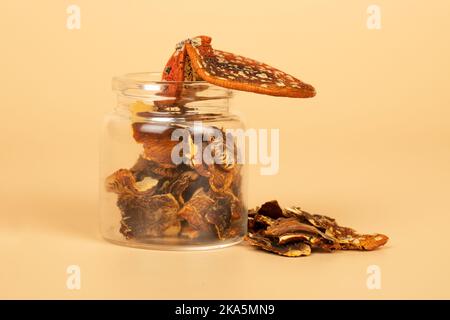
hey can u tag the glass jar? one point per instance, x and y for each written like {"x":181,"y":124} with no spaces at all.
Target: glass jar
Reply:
{"x":171,"y":175}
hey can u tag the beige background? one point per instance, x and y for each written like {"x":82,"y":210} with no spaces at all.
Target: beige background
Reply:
{"x":372,"y":149}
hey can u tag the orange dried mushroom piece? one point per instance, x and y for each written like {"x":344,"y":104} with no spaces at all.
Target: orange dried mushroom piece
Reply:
{"x":157,"y":143}
{"x":195,"y":59}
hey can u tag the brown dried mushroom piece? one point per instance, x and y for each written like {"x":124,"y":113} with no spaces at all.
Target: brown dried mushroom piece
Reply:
{"x":157,"y":142}
{"x":194,"y":210}
{"x":152,"y":216}
{"x":178,"y":185}
{"x":290,"y":250}
{"x":283,"y":226}
{"x":221,"y":180}
{"x":203,"y":211}
{"x":271,"y":209}
{"x":123,"y":181}
{"x":144,"y":214}
{"x":276,"y":228}
{"x":346,"y":238}
{"x":219,"y":216}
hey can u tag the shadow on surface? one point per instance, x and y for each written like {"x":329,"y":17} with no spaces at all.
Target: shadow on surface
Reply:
{"x":69,"y":214}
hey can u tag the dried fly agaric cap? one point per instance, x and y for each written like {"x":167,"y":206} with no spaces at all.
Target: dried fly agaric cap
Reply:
{"x":194,"y":59}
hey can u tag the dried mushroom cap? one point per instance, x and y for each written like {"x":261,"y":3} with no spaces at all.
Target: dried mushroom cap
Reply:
{"x":275,"y":229}
{"x":230,"y":71}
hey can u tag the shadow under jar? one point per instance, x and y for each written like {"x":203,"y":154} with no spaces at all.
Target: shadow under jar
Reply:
{"x":171,"y":171}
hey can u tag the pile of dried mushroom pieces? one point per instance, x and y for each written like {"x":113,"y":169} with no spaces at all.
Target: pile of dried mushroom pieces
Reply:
{"x":293,"y":232}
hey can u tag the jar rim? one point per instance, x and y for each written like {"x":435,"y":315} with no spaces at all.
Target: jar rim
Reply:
{"x":147,"y":83}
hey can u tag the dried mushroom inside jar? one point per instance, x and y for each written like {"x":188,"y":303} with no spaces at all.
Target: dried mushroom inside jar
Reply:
{"x":185,"y":199}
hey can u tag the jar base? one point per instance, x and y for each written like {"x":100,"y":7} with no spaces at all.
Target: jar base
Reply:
{"x":162,"y":246}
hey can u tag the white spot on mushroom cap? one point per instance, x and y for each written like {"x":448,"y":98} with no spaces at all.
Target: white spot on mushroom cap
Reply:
{"x":243,"y":74}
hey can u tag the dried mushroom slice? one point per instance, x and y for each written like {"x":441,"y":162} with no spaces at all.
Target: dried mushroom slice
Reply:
{"x":320,"y":221}
{"x":153,"y":216}
{"x":157,"y":142}
{"x":220,"y":180}
{"x":144,"y":214}
{"x":194,"y":210}
{"x":123,"y":182}
{"x":362,"y":242}
{"x":313,"y":240}
{"x":219,"y":216}
{"x":200,"y":183}
{"x":204,"y":211}
{"x":222,"y":148}
{"x":284,"y":226}
{"x":289,"y":250}
{"x":271,"y":209}
{"x":263,"y":220}
{"x":179,"y":185}
{"x":345,"y":238}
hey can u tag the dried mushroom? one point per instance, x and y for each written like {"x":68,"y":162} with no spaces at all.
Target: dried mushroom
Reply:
{"x":192,"y":201}
{"x":288,"y":231}
{"x":149,"y":216}
{"x":290,"y":250}
{"x":157,"y":143}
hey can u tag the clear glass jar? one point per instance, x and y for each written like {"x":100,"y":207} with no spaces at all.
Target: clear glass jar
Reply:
{"x":171,"y":175}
